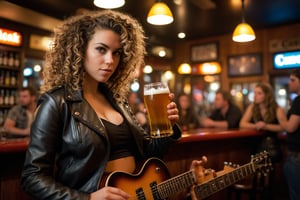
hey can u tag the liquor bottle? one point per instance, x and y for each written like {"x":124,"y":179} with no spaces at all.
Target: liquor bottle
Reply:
{"x":12,"y":98}
{"x":1,"y":117}
{"x":6,"y":97}
{"x":1,"y":77}
{"x":17,"y":60}
{"x":13,"y":79}
{"x":5,"y":58}
{"x":1,"y":57}
{"x":2,"y":97}
{"x":10,"y":59}
{"x":7,"y":79}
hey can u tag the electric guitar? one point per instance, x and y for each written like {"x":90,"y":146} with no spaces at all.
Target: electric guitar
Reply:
{"x":153,"y":182}
{"x":209,"y":185}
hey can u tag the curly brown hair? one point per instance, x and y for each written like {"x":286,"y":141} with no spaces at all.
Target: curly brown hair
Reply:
{"x":270,"y":104}
{"x":65,"y":59}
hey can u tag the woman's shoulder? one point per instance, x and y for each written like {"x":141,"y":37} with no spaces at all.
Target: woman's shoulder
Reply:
{"x":55,"y":90}
{"x":54,"y":93}
{"x":250,"y":106}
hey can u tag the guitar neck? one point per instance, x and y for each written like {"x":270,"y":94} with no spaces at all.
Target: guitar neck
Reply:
{"x":176,"y":184}
{"x":216,"y":184}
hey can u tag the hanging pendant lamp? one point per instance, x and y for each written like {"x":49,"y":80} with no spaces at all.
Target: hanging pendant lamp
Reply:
{"x":243,"y":31}
{"x":109,"y":4}
{"x":160,"y":14}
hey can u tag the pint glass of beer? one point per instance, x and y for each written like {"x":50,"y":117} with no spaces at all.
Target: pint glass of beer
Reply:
{"x":156,"y":99}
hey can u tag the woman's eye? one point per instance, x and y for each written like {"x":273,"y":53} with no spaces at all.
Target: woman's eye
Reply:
{"x":118,"y":53}
{"x":102,"y":50}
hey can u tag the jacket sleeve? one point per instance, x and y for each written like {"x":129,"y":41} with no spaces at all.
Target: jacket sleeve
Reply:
{"x":38,"y":172}
{"x":157,"y":147}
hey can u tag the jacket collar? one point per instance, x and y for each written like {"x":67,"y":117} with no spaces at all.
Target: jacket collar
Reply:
{"x":71,"y":95}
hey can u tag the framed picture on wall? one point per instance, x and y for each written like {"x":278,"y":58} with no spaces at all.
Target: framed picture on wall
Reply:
{"x":245,"y":65}
{"x":204,"y":52}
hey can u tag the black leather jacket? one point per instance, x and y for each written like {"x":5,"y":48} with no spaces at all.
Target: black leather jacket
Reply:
{"x":69,"y":147}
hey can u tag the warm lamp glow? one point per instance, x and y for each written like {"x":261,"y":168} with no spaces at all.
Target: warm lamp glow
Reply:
{"x":148,"y":69}
{"x":109,"y":4}
{"x":243,"y":33}
{"x":208,"y":68}
{"x":184,"y":68}
{"x":160,"y":14}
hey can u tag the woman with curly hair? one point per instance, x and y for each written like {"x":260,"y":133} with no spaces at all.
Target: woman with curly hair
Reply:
{"x":263,"y":114}
{"x":84,"y":126}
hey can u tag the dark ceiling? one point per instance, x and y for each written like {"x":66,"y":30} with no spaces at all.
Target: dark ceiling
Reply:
{"x":198,"y":18}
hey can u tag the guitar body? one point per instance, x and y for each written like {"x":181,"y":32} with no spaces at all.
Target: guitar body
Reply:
{"x":141,"y":185}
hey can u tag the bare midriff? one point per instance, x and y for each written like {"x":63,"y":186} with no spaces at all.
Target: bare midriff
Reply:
{"x":126,"y":164}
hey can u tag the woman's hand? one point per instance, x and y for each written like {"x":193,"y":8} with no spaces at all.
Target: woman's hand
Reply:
{"x":260,"y":125}
{"x":172,"y":110}
{"x":201,"y":174}
{"x":196,"y":163}
{"x":109,"y":193}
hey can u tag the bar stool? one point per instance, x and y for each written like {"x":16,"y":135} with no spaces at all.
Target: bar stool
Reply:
{"x":253,"y":187}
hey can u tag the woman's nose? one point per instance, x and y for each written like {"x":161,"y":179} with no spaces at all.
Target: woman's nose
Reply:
{"x":109,"y":58}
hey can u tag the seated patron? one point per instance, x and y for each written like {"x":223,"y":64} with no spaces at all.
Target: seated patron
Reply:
{"x":225,"y":114}
{"x":188,"y":117}
{"x":264,"y":114}
{"x":20,"y":117}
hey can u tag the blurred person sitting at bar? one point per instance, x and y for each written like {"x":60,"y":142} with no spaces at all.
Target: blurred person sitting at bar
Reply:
{"x":188,"y":117}
{"x":225,"y":114}
{"x":20,"y":117}
{"x":292,"y":127}
{"x":264,"y":114}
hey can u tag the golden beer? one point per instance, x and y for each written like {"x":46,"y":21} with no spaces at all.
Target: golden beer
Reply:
{"x":156,"y":99}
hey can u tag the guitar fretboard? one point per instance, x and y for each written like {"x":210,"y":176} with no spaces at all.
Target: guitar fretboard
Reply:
{"x":208,"y":188}
{"x":176,"y":184}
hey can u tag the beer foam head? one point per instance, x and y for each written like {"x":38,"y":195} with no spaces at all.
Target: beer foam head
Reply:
{"x":152,"y":91}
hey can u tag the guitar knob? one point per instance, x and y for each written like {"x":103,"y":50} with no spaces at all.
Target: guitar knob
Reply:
{"x":157,"y":169}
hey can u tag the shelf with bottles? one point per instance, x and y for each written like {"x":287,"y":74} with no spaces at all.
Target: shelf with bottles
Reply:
{"x":8,"y":98}
{"x":10,"y":67}
{"x":9,"y":79}
{"x":9,"y":59}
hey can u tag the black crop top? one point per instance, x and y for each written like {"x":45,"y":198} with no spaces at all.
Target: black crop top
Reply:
{"x":120,"y":138}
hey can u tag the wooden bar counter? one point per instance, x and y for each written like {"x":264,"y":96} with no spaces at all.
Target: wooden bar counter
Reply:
{"x":218,"y":145}
{"x":12,"y":155}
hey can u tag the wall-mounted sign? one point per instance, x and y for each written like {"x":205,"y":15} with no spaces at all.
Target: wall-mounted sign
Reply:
{"x":281,"y":45}
{"x":245,"y":65}
{"x":40,"y":42}
{"x":10,"y":37}
{"x":204,"y":52}
{"x":286,"y":60}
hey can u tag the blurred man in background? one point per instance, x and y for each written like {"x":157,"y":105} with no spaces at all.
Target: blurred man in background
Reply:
{"x":20,"y":117}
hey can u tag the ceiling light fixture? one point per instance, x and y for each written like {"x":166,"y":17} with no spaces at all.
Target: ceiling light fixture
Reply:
{"x":109,"y":4}
{"x":160,"y":14}
{"x":243,"y":31}
{"x":184,"y":68}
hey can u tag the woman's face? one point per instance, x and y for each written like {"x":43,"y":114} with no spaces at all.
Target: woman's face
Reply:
{"x":102,"y":55}
{"x":184,"y":102}
{"x":259,"y":95}
{"x":294,"y":84}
